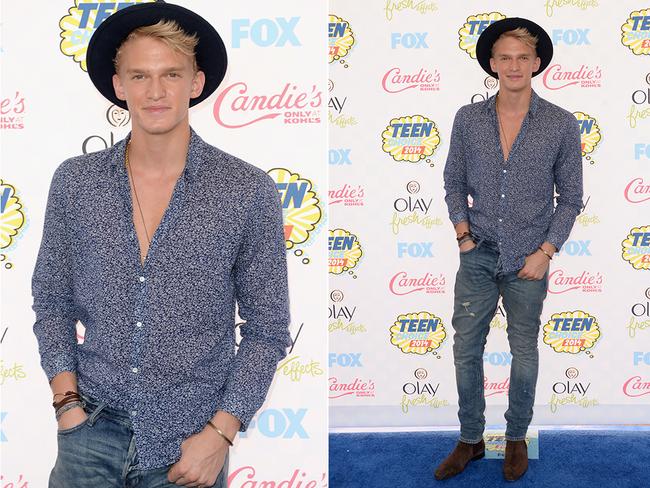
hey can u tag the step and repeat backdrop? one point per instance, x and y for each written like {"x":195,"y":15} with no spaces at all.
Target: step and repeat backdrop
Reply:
{"x":269,"y":111}
{"x":399,"y":71}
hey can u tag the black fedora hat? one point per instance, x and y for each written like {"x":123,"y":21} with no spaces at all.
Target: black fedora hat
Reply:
{"x":211,"y":54}
{"x":494,"y":30}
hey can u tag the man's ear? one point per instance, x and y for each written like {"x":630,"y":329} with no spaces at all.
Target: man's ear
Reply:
{"x":198,"y":82}
{"x":118,"y":87}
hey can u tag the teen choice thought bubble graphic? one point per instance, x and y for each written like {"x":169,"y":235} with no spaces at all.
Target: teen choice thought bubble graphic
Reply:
{"x":635,"y":32}
{"x":571,"y":332}
{"x":79,"y":25}
{"x":300,"y":205}
{"x":472,"y":29}
{"x":636,"y":247}
{"x":589,"y":132}
{"x":417,"y":332}
{"x":12,"y":217}
{"x":340,"y":38}
{"x":344,"y":251}
{"x":411,"y":138}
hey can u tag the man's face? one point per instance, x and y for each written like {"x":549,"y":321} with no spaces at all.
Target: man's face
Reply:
{"x":514,"y":62}
{"x":157,"y":83}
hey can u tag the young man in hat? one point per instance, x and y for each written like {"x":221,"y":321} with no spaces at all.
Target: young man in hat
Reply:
{"x":150,"y":244}
{"x":510,"y":153}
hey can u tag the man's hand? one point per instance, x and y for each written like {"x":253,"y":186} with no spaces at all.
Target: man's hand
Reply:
{"x":73,"y":417}
{"x":202,"y":457}
{"x":535,"y":267}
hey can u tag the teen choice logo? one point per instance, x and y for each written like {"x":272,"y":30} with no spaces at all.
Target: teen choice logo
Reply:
{"x":635,"y":32}
{"x":636,"y":247}
{"x":300,"y":205}
{"x":12,"y":217}
{"x":344,"y":251}
{"x":341,"y":38}
{"x":417,"y":332}
{"x":472,"y":29}
{"x":571,"y":332}
{"x":589,"y":132}
{"x":79,"y":25}
{"x":411,"y":138}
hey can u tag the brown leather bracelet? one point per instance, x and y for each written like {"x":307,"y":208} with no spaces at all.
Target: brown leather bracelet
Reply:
{"x":69,"y":396}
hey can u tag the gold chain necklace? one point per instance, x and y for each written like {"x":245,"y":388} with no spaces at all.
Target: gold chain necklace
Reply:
{"x":505,"y":138}
{"x":137,"y":200}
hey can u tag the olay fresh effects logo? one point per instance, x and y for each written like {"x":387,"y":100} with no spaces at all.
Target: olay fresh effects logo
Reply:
{"x":412,"y":138}
{"x":500,"y":319}
{"x":472,"y":29}
{"x":341,"y":315}
{"x":404,"y":283}
{"x":562,"y":281}
{"x":589,"y":134}
{"x":586,"y":219}
{"x":557,"y":77}
{"x":238,"y":106}
{"x":79,"y":25}
{"x":277,"y":32}
{"x":12,"y":112}
{"x":12,"y":216}
{"x":396,"y":80}
{"x":356,"y":388}
{"x":572,"y":332}
{"x":412,"y":210}
{"x":117,"y":117}
{"x":420,"y":6}
{"x":640,"y":319}
{"x":340,"y":39}
{"x":418,"y":333}
{"x":421,"y":393}
{"x":571,"y":37}
{"x":581,"y":4}
{"x":636,"y":248}
{"x":490,"y":84}
{"x":344,"y":251}
{"x":571,"y":392}
{"x":300,"y":206}
{"x":635,"y":32}
{"x":640,"y":108}
{"x":637,"y":191}
{"x":496,"y":387}
{"x":636,"y":386}
{"x":347,"y":195}
{"x":335,"y":112}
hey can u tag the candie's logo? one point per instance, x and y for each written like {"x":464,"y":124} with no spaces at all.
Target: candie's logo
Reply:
{"x":557,"y":77}
{"x":411,"y":138}
{"x":396,"y":81}
{"x":403,"y":283}
{"x":417,"y":333}
{"x":300,"y":206}
{"x":344,"y":251}
{"x":12,"y":112}
{"x":637,"y":191}
{"x":561,"y":281}
{"x":636,"y":247}
{"x":635,"y":32}
{"x":12,"y":217}
{"x":341,"y":38}
{"x":472,"y":29}
{"x":79,"y":25}
{"x":571,"y":332}
{"x":589,"y":134}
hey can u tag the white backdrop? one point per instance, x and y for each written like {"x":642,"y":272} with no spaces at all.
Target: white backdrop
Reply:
{"x":394,"y":62}
{"x":51,"y":111}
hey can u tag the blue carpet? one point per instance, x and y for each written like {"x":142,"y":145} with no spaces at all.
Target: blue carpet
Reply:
{"x":573,"y":459}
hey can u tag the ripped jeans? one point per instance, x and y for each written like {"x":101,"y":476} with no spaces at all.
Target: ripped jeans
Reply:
{"x":479,"y":283}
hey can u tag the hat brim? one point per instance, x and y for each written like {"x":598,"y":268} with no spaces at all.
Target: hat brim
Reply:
{"x":211,"y":55}
{"x":492,"y":32}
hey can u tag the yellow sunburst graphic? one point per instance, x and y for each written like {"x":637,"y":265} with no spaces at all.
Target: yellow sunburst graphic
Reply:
{"x":300,"y":205}
{"x":411,"y":138}
{"x":344,"y":251}
{"x":636,"y":247}
{"x":571,"y":332}
{"x":340,"y":37}
{"x":469,"y":34}
{"x":12,"y":217}
{"x":417,"y":332}
{"x":79,"y":25}
{"x":589,"y":132}
{"x":636,"y":39}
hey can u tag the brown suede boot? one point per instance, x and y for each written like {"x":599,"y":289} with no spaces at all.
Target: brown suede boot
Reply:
{"x":516,"y":461}
{"x":462,"y":454}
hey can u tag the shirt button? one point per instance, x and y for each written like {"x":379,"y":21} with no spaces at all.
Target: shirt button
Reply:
{"x":505,"y":170}
{"x":134,"y":413}
{"x":500,"y":220}
{"x":131,"y":235}
{"x":135,"y":370}
{"x":138,"y":324}
{"x":141,"y":279}
{"x":502,"y":196}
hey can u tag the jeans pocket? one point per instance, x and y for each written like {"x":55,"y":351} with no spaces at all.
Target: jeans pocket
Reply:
{"x":92,"y":412}
{"x":465,"y":253}
{"x":73,"y":429}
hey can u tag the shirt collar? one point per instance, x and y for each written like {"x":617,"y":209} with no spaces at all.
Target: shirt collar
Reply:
{"x":532,"y":109}
{"x":192,"y":163}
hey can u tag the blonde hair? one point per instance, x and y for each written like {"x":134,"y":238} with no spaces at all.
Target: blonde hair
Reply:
{"x":522,"y":34}
{"x":170,"y":33}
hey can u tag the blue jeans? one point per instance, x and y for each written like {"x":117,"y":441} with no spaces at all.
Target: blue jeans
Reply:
{"x":100,"y":452}
{"x":479,"y":283}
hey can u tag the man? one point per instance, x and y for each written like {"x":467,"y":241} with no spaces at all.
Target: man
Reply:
{"x":150,"y":244}
{"x":509,"y":153}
